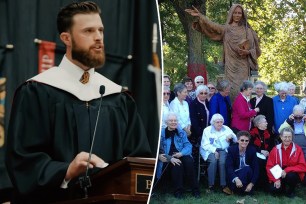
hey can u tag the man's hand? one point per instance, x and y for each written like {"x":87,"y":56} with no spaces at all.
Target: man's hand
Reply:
{"x":175,"y":161}
{"x":79,"y":164}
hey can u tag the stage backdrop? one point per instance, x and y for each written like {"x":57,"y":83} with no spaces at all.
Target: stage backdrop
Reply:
{"x":128,"y":46}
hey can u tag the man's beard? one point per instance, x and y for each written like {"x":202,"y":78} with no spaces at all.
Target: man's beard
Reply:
{"x":85,"y":57}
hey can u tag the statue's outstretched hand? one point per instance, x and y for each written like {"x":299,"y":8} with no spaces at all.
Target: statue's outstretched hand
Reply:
{"x":194,"y":11}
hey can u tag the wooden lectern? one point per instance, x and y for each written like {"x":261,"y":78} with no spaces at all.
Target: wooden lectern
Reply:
{"x":127,"y":181}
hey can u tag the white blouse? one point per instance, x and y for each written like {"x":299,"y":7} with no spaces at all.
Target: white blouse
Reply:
{"x":182,"y":111}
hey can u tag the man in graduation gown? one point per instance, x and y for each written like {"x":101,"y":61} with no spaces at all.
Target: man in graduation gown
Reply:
{"x":54,"y":114}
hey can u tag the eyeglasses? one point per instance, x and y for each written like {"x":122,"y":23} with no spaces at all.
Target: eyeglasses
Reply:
{"x":172,"y":121}
{"x":211,"y":87}
{"x":287,"y":137}
{"x":168,"y":94}
{"x":200,"y":82}
{"x":242,"y":140}
{"x":203,"y":93}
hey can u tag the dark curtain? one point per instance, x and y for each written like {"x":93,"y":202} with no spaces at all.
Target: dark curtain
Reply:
{"x":128,"y":46}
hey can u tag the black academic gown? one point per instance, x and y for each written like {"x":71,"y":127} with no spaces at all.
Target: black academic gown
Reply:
{"x":49,"y":127}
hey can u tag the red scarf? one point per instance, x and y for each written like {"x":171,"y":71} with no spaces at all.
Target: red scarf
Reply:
{"x":257,"y":139}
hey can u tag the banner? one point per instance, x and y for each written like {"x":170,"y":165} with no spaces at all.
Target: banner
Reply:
{"x":46,"y":55}
{"x":2,"y":109}
{"x":194,"y":70}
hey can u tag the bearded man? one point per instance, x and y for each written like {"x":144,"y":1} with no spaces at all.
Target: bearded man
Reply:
{"x":54,"y":115}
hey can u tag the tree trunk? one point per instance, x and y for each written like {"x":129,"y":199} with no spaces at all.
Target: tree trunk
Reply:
{"x":195,"y":61}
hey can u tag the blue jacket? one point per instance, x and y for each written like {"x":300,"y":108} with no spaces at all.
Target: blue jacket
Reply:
{"x":181,"y":143}
{"x":217,"y":104}
{"x":233,"y":162}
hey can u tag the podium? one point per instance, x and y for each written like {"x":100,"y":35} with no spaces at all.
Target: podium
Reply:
{"x":127,"y":181}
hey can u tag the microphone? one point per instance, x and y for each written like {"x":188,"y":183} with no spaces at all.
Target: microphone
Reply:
{"x":85,"y":180}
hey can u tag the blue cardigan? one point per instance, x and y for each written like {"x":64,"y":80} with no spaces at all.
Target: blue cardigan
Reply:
{"x":217,"y":104}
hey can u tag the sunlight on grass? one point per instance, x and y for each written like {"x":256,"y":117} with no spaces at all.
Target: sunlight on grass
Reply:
{"x":259,"y":197}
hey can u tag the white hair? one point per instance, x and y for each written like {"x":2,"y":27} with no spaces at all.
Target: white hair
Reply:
{"x":291,"y":85}
{"x":170,"y":114}
{"x":261,"y":83}
{"x":197,"y":78}
{"x":298,"y":108}
{"x":201,"y":88}
{"x":258,"y":119}
{"x":281,"y":86}
{"x":215,"y":117}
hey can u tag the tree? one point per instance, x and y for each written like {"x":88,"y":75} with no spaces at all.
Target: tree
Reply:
{"x":281,"y":26}
{"x":181,"y":44}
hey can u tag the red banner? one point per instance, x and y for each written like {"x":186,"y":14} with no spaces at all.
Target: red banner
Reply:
{"x":2,"y":109}
{"x":46,"y":55}
{"x":194,"y":70}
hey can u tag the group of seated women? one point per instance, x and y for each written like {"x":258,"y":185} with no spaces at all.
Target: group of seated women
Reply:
{"x":244,"y":161}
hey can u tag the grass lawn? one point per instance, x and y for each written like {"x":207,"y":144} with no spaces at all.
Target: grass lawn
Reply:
{"x":162,"y":197}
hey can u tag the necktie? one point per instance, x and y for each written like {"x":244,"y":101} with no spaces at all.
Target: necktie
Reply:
{"x":85,"y":77}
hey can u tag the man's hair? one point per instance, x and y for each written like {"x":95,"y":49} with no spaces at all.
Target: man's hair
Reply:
{"x":64,"y":17}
